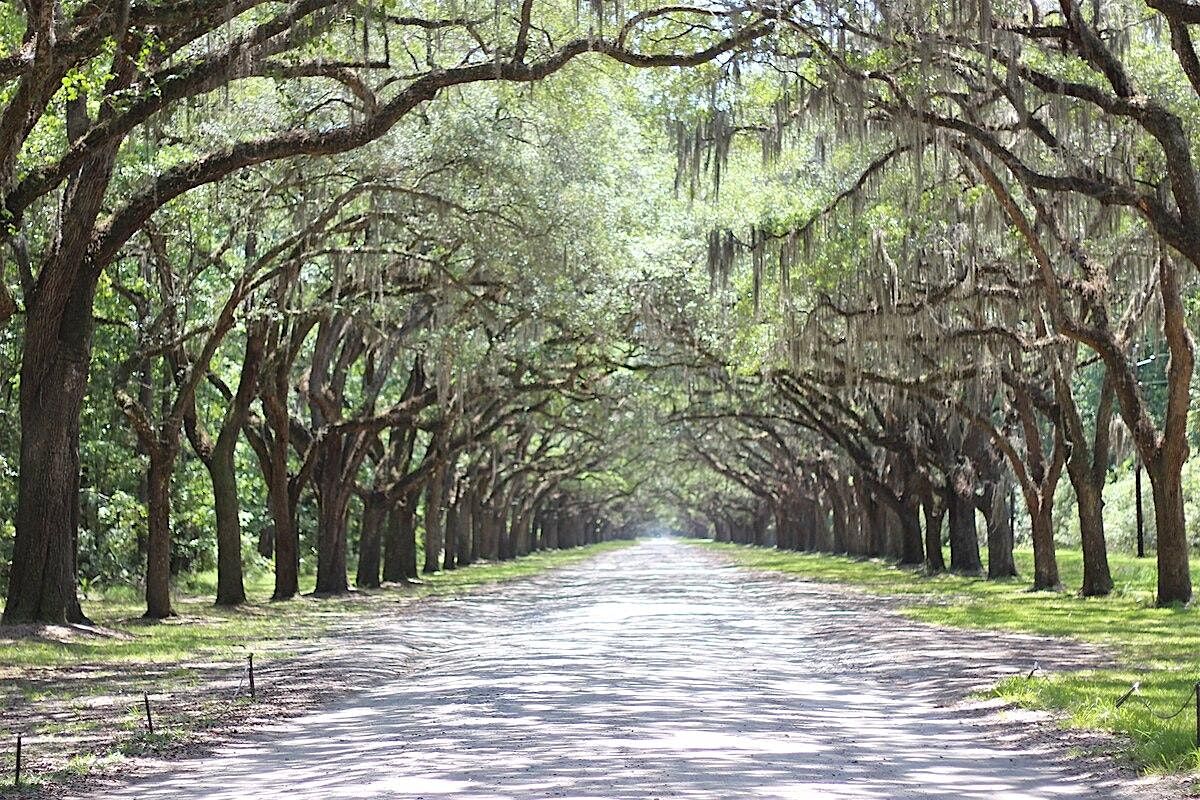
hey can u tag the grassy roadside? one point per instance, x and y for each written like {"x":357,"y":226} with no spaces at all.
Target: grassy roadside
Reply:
{"x":1158,"y":647}
{"x":76,"y":697}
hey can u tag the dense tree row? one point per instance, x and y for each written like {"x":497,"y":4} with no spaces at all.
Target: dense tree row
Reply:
{"x":1002,"y":259}
{"x":405,"y":286}
{"x":310,"y":229}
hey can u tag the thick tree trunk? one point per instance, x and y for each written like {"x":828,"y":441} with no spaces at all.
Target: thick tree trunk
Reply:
{"x":373,"y":519}
{"x":333,"y":510}
{"x":434,"y":520}
{"x":1045,"y":562}
{"x":784,"y":534}
{"x":42,"y":582}
{"x":158,"y":543}
{"x":550,"y":529}
{"x":964,"y":538}
{"x":231,"y":589}
{"x":1174,"y":578}
{"x":912,"y":550}
{"x":999,"y":532}
{"x":400,"y":556}
{"x":55,"y":355}
{"x":1097,"y":579}
{"x":876,"y":539}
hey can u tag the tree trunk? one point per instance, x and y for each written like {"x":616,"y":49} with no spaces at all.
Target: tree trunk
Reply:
{"x":839,"y":525}
{"x":964,"y":539}
{"x":434,"y":520}
{"x":1045,"y":562}
{"x":912,"y":550}
{"x":333,"y":507}
{"x":42,"y":582}
{"x":231,"y":589}
{"x":1174,"y":578}
{"x":287,"y":535}
{"x":222,"y":471}
{"x":400,"y":547}
{"x":1097,"y":579}
{"x":550,"y":523}
{"x":935,"y":512}
{"x":999,"y":532}
{"x":373,"y":519}
{"x":453,"y":527}
{"x":55,"y":355}
{"x":158,"y":543}
{"x":466,"y":532}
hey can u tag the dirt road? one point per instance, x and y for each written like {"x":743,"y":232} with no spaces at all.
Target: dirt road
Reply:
{"x":661,"y":672}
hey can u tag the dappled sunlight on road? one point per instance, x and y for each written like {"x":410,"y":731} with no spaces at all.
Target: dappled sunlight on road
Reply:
{"x":659,"y":672}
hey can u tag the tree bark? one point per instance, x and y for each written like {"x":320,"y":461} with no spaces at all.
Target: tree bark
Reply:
{"x":1174,"y":577}
{"x":55,"y":355}
{"x":453,"y":526}
{"x":373,"y":519}
{"x":935,"y":512}
{"x":912,"y":551}
{"x":964,"y":539}
{"x":333,"y":507}
{"x":158,"y":543}
{"x":999,"y":532}
{"x":1045,"y":562}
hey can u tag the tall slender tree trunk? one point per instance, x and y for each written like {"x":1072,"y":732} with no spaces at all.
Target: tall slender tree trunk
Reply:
{"x":158,"y":543}
{"x":837,"y":498}
{"x":287,"y":539}
{"x":222,"y":472}
{"x":453,"y":526}
{"x":466,"y":532}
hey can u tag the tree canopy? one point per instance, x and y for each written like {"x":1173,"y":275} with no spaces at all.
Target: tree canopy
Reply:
{"x":351,"y":291}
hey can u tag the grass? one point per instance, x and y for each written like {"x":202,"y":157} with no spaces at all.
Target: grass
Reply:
{"x":1157,"y":647}
{"x":51,"y":679}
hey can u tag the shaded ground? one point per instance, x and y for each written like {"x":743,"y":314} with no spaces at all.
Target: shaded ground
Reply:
{"x":664,"y":672}
{"x":77,"y":694}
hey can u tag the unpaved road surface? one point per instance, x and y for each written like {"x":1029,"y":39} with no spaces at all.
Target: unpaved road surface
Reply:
{"x":662,"y":672}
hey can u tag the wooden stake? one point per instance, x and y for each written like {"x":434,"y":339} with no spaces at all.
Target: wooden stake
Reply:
{"x":149,"y":719}
{"x":17,"y":771}
{"x":251,"y":660}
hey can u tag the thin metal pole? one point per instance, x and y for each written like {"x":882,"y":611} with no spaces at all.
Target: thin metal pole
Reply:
{"x":17,"y":771}
{"x":1141,"y":524}
{"x":251,"y":660}
{"x":149,"y":719}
